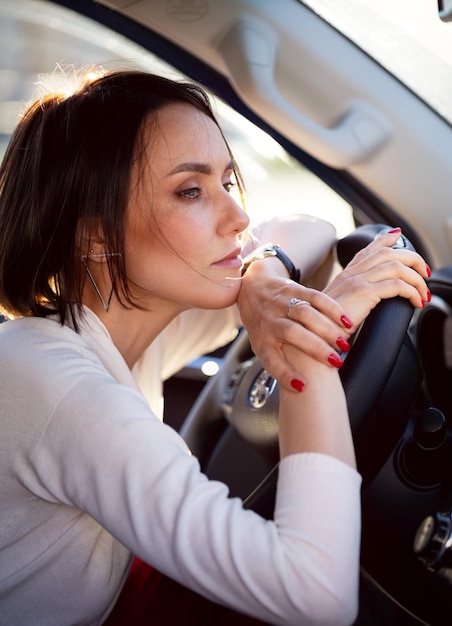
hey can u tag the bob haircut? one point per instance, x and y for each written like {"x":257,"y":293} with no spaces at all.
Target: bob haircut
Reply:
{"x":68,"y":163}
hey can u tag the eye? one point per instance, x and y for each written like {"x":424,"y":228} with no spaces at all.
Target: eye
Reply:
{"x":230,"y":180}
{"x":229,"y":186}
{"x":191,"y":194}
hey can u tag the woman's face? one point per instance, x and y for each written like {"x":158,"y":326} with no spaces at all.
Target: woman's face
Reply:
{"x":184,"y":230}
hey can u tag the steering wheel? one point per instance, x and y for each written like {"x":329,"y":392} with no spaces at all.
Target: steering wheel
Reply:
{"x":237,"y":411}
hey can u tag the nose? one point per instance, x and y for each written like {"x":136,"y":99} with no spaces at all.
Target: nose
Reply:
{"x":234,"y":219}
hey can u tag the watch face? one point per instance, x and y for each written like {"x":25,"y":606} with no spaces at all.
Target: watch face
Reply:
{"x":267,"y":250}
{"x":271,"y":249}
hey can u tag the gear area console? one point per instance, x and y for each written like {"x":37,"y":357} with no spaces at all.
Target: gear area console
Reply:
{"x":407,"y":478}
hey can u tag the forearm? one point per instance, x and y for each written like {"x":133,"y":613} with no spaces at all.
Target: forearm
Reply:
{"x":266,"y":291}
{"x":308,"y":242}
{"x":315,"y":420}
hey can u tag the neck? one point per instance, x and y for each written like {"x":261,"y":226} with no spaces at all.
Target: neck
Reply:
{"x":133,"y":330}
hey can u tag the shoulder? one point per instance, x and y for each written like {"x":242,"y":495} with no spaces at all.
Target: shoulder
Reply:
{"x":32,"y":341}
{"x":41,"y":360}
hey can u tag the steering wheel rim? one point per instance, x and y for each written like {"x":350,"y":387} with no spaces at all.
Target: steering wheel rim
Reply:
{"x":225,"y":398}
{"x":373,"y":356}
{"x":378,"y":342}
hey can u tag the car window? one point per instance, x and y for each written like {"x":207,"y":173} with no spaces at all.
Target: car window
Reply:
{"x":42,"y":43}
{"x":406,"y":36}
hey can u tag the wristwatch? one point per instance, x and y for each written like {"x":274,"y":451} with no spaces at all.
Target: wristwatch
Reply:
{"x":271,"y":249}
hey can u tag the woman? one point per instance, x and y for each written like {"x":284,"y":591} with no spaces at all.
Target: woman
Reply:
{"x":120,"y":240}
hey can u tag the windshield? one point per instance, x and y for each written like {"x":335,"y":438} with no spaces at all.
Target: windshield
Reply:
{"x":407,"y":37}
{"x":42,"y":44}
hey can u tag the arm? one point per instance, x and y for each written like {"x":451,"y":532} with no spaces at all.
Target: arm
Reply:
{"x":266,"y":291}
{"x":187,"y":527}
{"x":308,"y":241}
{"x":320,"y":330}
{"x":315,"y":420}
{"x":148,"y":492}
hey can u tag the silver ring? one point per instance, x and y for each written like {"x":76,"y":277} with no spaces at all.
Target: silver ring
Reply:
{"x":295,"y":302}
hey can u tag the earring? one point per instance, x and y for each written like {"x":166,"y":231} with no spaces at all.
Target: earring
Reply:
{"x":105,"y":304}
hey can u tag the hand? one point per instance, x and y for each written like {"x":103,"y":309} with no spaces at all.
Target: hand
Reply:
{"x":317,"y":330}
{"x":375,"y":273}
{"x":378,"y":272}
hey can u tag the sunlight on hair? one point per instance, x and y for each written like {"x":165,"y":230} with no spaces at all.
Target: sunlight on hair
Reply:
{"x":67,"y":79}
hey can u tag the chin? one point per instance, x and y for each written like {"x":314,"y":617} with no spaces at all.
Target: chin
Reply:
{"x":220,"y":298}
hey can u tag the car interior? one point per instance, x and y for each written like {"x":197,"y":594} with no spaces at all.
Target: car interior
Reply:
{"x":339,"y":109}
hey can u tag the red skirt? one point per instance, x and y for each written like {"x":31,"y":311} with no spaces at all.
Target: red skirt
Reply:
{"x":149,"y":598}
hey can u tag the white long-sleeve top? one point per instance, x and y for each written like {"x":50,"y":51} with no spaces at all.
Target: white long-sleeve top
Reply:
{"x":90,"y":476}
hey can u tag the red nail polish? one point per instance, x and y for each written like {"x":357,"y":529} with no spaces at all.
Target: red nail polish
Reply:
{"x":335,"y":360}
{"x":429,"y":295}
{"x":342,"y":344}
{"x":394,"y":230}
{"x":429,"y":271}
{"x":297,"y":384}
{"x":346,"y":321}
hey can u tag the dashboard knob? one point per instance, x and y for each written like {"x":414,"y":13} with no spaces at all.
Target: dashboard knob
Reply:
{"x":432,"y":540}
{"x":423,"y":459}
{"x":430,"y":431}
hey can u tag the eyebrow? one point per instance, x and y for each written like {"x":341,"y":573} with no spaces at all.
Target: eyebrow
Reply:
{"x":202,"y":168}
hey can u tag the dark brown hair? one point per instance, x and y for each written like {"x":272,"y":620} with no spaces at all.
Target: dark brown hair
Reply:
{"x":69,"y":161}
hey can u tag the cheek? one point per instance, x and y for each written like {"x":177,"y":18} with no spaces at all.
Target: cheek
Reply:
{"x":138,"y":235}
{"x":187,"y":234}
{"x":141,"y":244}
{"x":153,"y":248}
{"x":169,"y":233}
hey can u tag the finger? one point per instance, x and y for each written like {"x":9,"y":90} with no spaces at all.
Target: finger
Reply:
{"x":324,"y":304}
{"x":404,"y":281}
{"x":313,"y":331}
{"x":308,"y":342}
{"x":288,"y":377}
{"x":392,"y":287}
{"x":318,"y":338}
{"x":383,"y":264}
{"x":279,"y":368}
{"x":382,"y":247}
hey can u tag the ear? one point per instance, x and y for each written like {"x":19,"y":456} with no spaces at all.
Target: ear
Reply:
{"x":91,"y":238}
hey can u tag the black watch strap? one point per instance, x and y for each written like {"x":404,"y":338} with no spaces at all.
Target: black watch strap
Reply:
{"x":294,"y":272}
{"x":272,"y":250}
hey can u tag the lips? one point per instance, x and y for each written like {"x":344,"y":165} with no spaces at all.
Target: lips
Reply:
{"x":231,"y":260}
